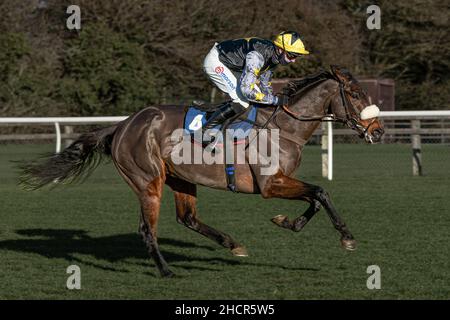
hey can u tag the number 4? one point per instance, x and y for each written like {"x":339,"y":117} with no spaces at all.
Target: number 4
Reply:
{"x":196,"y":123}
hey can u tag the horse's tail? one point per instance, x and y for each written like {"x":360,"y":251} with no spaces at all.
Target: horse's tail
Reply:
{"x":76,"y":161}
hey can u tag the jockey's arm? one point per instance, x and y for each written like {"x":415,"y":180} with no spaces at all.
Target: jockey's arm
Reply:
{"x":265,"y":84}
{"x":254,"y":86}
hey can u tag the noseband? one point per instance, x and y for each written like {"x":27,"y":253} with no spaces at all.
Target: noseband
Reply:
{"x":351,"y":121}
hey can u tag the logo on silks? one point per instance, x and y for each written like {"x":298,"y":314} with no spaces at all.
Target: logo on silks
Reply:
{"x":220,"y":70}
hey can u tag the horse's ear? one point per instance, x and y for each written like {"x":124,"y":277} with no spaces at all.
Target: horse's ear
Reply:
{"x":338,"y":73}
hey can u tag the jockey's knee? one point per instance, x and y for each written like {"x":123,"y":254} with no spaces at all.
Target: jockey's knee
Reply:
{"x":241,"y":103}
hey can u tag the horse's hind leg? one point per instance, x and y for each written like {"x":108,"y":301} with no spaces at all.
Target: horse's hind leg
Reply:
{"x":150,"y":207}
{"x":185,"y":202}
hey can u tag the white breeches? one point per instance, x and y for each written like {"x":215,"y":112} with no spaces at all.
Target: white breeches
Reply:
{"x":222,"y":77}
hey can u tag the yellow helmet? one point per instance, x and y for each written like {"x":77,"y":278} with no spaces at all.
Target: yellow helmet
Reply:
{"x":290,"y":41}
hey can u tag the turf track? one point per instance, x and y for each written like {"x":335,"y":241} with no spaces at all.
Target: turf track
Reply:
{"x":402,"y":224}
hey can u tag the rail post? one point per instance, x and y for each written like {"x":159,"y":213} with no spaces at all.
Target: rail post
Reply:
{"x":324,"y":150}
{"x":416,"y":148}
{"x":58,"y":137}
{"x":327,"y":150}
{"x":330,"y":150}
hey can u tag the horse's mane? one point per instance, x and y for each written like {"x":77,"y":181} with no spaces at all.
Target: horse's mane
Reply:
{"x":295,"y":89}
{"x":350,"y":78}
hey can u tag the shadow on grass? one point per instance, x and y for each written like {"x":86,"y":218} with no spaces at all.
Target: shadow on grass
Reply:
{"x":67,"y":243}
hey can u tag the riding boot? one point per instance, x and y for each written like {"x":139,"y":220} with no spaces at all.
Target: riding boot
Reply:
{"x":223,"y":113}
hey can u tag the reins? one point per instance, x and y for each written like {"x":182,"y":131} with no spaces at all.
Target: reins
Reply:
{"x":296,"y":116}
{"x":324,"y":118}
{"x":349,"y":120}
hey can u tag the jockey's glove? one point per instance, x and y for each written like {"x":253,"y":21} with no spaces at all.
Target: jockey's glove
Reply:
{"x":280,"y":100}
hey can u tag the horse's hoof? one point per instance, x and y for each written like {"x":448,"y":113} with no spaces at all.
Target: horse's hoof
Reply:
{"x":349,"y":244}
{"x":239,"y":252}
{"x":280,"y":220}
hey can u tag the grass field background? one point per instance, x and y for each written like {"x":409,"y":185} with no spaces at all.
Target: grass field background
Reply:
{"x":401,"y":222}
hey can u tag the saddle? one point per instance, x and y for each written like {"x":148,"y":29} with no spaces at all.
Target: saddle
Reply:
{"x":197,"y":115}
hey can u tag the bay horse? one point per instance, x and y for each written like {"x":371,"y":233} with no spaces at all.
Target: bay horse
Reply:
{"x":140,"y":148}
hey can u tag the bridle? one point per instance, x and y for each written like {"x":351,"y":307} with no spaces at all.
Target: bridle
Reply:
{"x":350,"y":119}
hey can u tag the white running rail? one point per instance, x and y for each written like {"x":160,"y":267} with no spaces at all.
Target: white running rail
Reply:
{"x":57,"y":121}
{"x":422,"y":114}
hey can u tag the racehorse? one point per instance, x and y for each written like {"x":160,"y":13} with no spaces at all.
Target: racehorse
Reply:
{"x":140,"y":147}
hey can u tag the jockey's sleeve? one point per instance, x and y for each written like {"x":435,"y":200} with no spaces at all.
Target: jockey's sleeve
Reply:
{"x":265,"y":84}
{"x":250,"y":82}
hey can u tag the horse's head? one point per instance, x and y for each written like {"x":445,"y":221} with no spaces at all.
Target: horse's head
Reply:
{"x":353,"y":107}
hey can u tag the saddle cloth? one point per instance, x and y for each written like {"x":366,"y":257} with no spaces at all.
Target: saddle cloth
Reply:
{"x":195,"y":119}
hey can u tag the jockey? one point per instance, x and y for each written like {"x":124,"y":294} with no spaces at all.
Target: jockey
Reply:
{"x":243,"y":68}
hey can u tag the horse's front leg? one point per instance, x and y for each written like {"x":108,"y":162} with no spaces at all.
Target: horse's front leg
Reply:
{"x":298,"y":223}
{"x":281,"y":186}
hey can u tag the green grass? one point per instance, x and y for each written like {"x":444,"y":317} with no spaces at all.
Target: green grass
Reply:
{"x":402,"y":224}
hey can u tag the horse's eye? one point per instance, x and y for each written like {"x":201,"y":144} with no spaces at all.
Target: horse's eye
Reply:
{"x":354,"y":95}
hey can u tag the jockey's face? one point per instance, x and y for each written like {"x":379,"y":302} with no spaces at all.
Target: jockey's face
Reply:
{"x":285,"y":57}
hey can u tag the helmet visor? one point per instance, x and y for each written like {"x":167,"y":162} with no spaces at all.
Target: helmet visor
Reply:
{"x":291,"y":55}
